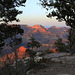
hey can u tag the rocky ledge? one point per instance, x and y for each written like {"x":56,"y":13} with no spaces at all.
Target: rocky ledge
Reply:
{"x":58,"y":64}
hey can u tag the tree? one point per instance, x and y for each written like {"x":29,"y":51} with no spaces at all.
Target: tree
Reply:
{"x":71,"y":40}
{"x":64,"y":10}
{"x":31,"y":45}
{"x":8,"y":13}
{"x":30,"y":50}
{"x":60,"y":46}
{"x":9,"y":37}
{"x":8,"y":33}
{"x":8,"y":10}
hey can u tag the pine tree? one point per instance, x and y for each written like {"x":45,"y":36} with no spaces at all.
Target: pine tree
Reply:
{"x":31,"y":45}
{"x":60,"y":46}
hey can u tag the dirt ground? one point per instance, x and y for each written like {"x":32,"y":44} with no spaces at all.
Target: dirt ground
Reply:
{"x":53,"y":68}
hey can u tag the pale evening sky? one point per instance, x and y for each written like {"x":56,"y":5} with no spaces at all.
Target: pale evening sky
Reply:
{"x":33,"y":14}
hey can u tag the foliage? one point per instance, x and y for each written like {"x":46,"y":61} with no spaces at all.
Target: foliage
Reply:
{"x":33,"y":43}
{"x":11,"y":70}
{"x":9,"y":38}
{"x":60,"y":46}
{"x":8,"y":13}
{"x":8,"y":10}
{"x":31,"y":53}
{"x":9,"y":35}
{"x":64,"y":10}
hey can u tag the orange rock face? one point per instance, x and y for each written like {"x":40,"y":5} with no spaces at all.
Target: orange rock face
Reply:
{"x":21,"y":53}
{"x":54,"y":51}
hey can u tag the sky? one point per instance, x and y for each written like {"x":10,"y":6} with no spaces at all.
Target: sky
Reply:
{"x":34,"y":13}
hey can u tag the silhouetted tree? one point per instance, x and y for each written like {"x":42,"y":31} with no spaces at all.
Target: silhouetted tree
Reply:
{"x":60,"y":46}
{"x":9,"y":38}
{"x":8,"y":10}
{"x":8,"y":33}
{"x":71,"y":40}
{"x":31,"y":45}
{"x":63,"y":10}
{"x":30,"y":50}
{"x":8,"y":13}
